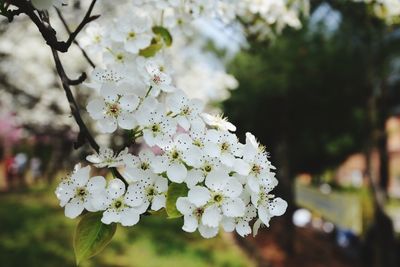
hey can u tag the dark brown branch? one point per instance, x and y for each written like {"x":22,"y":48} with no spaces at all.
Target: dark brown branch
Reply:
{"x":80,"y":80}
{"x":85,"y":55}
{"x":65,"y":81}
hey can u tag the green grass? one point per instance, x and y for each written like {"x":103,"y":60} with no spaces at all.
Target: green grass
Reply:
{"x":34,"y":232}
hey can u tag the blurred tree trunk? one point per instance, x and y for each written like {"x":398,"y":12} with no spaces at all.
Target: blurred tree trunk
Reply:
{"x":286,"y":189}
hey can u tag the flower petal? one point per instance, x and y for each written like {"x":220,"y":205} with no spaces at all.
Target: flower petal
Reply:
{"x":199,"y":195}
{"x":74,"y":208}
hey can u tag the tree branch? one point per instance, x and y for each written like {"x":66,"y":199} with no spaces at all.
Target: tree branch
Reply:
{"x":88,"y":59}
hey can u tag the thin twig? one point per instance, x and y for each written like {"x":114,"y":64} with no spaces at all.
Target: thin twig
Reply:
{"x":85,"y":55}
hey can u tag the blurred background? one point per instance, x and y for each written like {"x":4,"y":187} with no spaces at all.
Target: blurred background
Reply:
{"x":323,"y":98}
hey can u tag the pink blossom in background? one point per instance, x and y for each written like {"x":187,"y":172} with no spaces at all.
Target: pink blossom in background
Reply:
{"x":10,"y":131}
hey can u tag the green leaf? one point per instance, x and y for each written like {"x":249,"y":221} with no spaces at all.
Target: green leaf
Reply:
{"x":164,"y":33}
{"x":151,"y":50}
{"x":174,"y":192}
{"x":91,"y":236}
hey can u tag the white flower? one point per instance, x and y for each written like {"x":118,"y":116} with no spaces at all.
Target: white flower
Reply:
{"x":240,"y":224}
{"x":259,"y":165}
{"x":206,"y":166}
{"x":107,"y":158}
{"x":268,"y":206}
{"x":221,"y":197}
{"x":149,"y":190}
{"x":77,"y":192}
{"x":117,"y":207}
{"x":186,"y":111}
{"x":111,"y":113}
{"x":138,"y":166}
{"x":94,"y":39}
{"x":157,"y":127}
{"x":134,"y":32}
{"x":192,"y":218}
{"x":223,"y":145}
{"x":218,"y":122}
{"x":156,"y":78}
{"x":177,"y":153}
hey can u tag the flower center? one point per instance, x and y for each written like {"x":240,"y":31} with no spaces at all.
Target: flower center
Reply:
{"x":113,"y":109}
{"x":207,"y":168}
{"x":119,"y":57}
{"x":218,"y":198}
{"x":155,"y":128}
{"x":185,"y":110}
{"x":81,"y":192}
{"x":97,"y":39}
{"x":144,"y":166}
{"x":131,"y":35}
{"x":157,"y":79}
{"x":224,"y":146}
{"x":256,"y":169}
{"x":197,"y":142}
{"x":198,"y":212}
{"x":118,"y":204}
{"x":174,"y":154}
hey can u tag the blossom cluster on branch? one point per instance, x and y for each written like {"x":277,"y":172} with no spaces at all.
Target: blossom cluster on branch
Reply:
{"x":190,"y":162}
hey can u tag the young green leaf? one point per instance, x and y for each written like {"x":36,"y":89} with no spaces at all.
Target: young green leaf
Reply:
{"x":164,"y":33}
{"x":174,"y":192}
{"x":91,"y":236}
{"x":151,"y":50}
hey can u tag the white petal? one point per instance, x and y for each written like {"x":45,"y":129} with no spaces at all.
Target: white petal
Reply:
{"x":158,"y":202}
{"x":199,"y":195}
{"x":194,"y":177}
{"x":96,"y":108}
{"x":116,"y":188}
{"x":208,"y":232}
{"x":132,"y":174}
{"x":127,"y":121}
{"x":81,"y":176}
{"x":211,"y":216}
{"x":233,"y":188}
{"x":135,"y":195}
{"x":74,"y":208}
{"x":107,"y":125}
{"x":190,"y":223}
{"x":243,"y":228}
{"x":184,"y":206}
{"x":254,"y":184}
{"x":217,"y":179}
{"x":161,"y":184}
{"x":233,"y":207}
{"x":65,"y":192}
{"x":228,"y":224}
{"x":264,"y":215}
{"x":228,"y":159}
{"x":129,"y":217}
{"x":177,"y":172}
{"x":278,"y":207}
{"x":110,"y":216}
{"x":129,"y":103}
{"x":96,"y":184}
{"x":241,"y":167}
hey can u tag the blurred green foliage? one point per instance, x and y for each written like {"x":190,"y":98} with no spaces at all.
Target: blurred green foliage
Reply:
{"x":311,"y":89}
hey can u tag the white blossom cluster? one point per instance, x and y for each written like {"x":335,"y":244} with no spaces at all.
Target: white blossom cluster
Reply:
{"x":225,"y":183}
